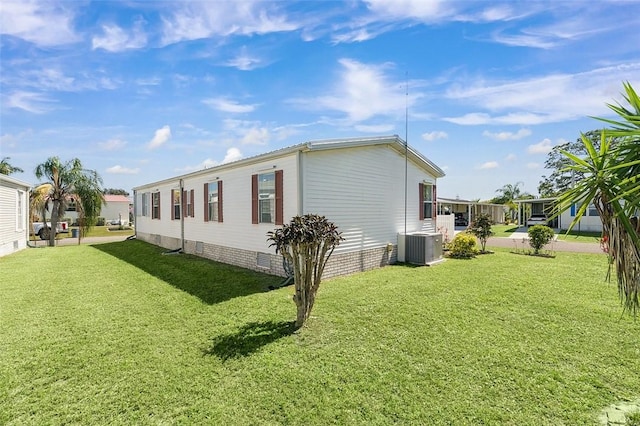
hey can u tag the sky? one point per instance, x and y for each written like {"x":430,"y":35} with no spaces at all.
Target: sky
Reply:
{"x":141,"y":91}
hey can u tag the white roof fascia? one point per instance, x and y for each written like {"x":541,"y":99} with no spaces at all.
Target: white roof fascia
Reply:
{"x":394,"y":141}
{"x":14,"y":181}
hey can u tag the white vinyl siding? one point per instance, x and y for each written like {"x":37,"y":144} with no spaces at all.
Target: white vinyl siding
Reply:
{"x":236,"y":231}
{"x":362,"y":191}
{"x":14,"y":215}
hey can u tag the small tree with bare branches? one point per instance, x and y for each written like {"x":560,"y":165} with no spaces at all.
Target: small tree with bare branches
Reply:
{"x":306,"y":242}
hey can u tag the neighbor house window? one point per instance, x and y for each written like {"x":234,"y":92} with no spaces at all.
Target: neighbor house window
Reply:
{"x":266,"y":194}
{"x":175,"y":202}
{"x":144,"y":201}
{"x":213,"y":201}
{"x":427,"y":196}
{"x":592,"y":210}
{"x":574,"y":210}
{"x":155,"y":203}
{"x":20,"y":210}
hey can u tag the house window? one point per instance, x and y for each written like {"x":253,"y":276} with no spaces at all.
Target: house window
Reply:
{"x":188,"y":200}
{"x":592,"y":210}
{"x":213,"y":201}
{"x":20,"y":210}
{"x":267,"y":200}
{"x":175,"y":197}
{"x":427,"y":195}
{"x":155,"y":203}
{"x":266,"y":197}
{"x":71,"y":205}
{"x":144,"y":201}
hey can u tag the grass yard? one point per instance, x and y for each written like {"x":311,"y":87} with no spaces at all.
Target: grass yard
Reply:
{"x":119,"y":334}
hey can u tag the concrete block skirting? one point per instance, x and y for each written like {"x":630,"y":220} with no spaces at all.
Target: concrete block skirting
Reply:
{"x":339,"y":263}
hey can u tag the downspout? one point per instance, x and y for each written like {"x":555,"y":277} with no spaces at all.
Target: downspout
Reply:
{"x":300,"y":183}
{"x":136,"y":210}
{"x":182,"y":203}
{"x":29,"y":225}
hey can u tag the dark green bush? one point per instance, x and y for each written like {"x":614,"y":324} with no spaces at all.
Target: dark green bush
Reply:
{"x":101,"y":221}
{"x":463,"y":246}
{"x":539,"y":236}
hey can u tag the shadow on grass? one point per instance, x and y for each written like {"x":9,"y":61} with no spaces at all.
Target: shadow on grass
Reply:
{"x":212,"y":282}
{"x":249,"y":339}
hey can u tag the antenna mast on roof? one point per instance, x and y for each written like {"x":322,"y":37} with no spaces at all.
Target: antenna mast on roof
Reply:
{"x":406,"y":146}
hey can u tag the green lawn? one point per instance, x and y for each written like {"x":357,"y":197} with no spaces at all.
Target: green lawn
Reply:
{"x":119,"y":334}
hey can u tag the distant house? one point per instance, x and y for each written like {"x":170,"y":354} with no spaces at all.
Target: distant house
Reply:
{"x":14,"y":214}
{"x":590,"y":220}
{"x":469,"y":210}
{"x":115,"y":209}
{"x":224,"y":213}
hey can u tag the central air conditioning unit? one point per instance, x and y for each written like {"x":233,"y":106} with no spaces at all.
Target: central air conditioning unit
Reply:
{"x":420,"y":248}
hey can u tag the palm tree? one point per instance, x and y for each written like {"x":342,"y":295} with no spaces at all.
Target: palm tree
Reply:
{"x":508,"y":194}
{"x":611,"y":182}
{"x":39,"y":203}
{"x":6,"y":168}
{"x":71,"y":181}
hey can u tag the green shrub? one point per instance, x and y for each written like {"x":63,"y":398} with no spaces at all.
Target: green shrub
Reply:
{"x":463,"y":246}
{"x":539,"y":235}
{"x":101,"y":221}
{"x":481,"y":228}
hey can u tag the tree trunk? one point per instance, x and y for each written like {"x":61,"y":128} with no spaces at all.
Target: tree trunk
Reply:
{"x":54,"y":223}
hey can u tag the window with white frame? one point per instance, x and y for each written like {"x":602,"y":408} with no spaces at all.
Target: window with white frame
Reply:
{"x":20,"y":210}
{"x":175,"y":195}
{"x":155,"y":202}
{"x":188,"y":195}
{"x":592,"y":210}
{"x":212,"y":201}
{"x":427,"y":200}
{"x":144,"y":204}
{"x":266,"y":197}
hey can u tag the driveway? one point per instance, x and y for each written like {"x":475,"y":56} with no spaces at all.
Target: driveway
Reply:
{"x":88,"y":240}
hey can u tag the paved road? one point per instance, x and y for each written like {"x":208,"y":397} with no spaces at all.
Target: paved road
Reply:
{"x":559,"y":245}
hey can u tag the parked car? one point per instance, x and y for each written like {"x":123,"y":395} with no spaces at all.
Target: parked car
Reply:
{"x":460,"y":220}
{"x":537,"y":219}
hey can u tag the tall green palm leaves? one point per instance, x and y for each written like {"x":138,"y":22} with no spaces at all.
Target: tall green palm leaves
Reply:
{"x":6,"y":168}
{"x":611,"y":182}
{"x":71,"y":181}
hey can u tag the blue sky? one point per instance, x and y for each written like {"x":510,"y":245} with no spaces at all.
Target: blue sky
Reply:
{"x":144,"y":90}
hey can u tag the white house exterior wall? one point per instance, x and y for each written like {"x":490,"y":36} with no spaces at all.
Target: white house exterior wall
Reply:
{"x":13,"y":229}
{"x":116,"y":210}
{"x":361,"y":190}
{"x":236,"y":231}
{"x":586,"y":223}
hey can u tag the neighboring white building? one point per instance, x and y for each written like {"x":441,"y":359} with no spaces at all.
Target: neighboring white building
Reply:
{"x":224,"y":213}
{"x":14,"y":214}
{"x":114,"y":209}
{"x":590,"y":220}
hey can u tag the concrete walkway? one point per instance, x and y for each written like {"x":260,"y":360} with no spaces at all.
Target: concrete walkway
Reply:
{"x":88,"y":240}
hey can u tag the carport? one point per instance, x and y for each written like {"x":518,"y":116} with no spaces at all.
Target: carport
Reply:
{"x":470,"y":209}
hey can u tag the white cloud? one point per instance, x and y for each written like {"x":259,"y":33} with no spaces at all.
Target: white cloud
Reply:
{"x":116,"y":39}
{"x":435,"y":135}
{"x":112,"y":144}
{"x":505,"y":136}
{"x":374,"y":128}
{"x":542,"y":147}
{"x":227,"y":105}
{"x":197,"y":20}
{"x":426,"y":10}
{"x":44,"y":23}
{"x":533,"y":166}
{"x":256,"y":136}
{"x":119,"y":170}
{"x":29,"y":101}
{"x":362,"y":92}
{"x":511,"y":157}
{"x":160,"y":137}
{"x":489,"y":165}
{"x":547,"y":99}
{"x":233,"y":154}
{"x":245,"y":62}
